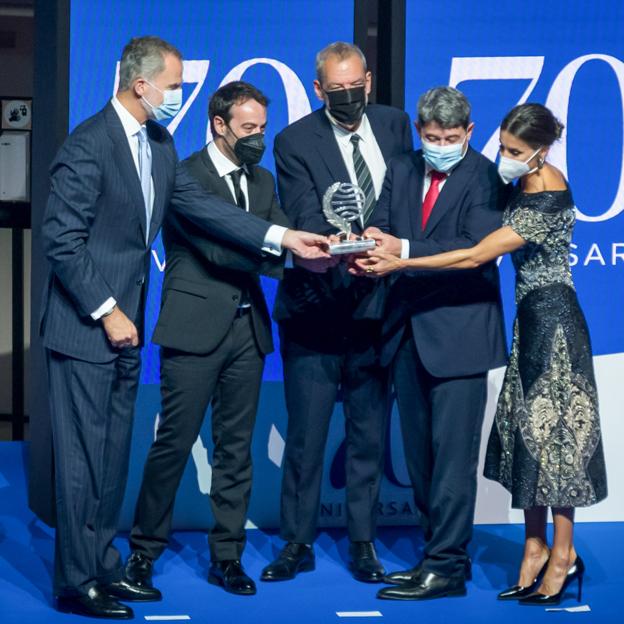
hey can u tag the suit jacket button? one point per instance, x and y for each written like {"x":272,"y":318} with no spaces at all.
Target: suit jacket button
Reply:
{"x":234,"y":297}
{"x":140,"y":282}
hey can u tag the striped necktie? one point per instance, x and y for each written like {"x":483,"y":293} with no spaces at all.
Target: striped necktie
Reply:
{"x":364,"y":178}
{"x":145,"y":174}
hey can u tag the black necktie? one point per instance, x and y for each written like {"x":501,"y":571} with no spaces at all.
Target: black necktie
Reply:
{"x":364,"y":178}
{"x":236,"y":176}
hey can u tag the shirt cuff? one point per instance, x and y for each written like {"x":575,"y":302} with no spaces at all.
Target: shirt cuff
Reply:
{"x":107,"y":306}
{"x":405,"y":250}
{"x":273,"y":240}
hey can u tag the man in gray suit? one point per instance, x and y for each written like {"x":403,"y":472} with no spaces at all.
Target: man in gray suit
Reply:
{"x":111,"y":184}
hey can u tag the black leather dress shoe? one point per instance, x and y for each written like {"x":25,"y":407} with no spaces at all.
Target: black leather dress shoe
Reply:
{"x":293,"y":559}
{"x":231,"y":576}
{"x":364,"y":564}
{"x":96,"y":603}
{"x":404,"y":576}
{"x":138,"y":570}
{"x":128,"y":591}
{"x":429,"y":586}
{"x":413,"y":574}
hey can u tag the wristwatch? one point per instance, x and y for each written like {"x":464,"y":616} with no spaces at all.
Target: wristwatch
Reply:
{"x":109,"y":312}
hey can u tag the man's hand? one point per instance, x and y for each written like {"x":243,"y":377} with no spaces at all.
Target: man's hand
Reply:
{"x":306,"y":245}
{"x":386,"y":243}
{"x":120,"y":330}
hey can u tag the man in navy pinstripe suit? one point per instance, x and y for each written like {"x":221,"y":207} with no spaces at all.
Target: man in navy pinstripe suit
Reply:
{"x":111,"y":184}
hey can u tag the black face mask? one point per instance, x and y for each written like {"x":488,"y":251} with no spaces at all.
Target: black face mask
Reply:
{"x":249,"y":149}
{"x":347,"y":105}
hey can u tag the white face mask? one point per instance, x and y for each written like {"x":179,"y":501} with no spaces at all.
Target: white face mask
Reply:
{"x":510,"y":169}
{"x":171,"y":104}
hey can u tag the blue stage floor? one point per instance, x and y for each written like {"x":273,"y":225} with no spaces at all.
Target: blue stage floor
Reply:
{"x":26,"y":550}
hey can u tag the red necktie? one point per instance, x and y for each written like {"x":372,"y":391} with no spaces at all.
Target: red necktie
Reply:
{"x":431,"y":196}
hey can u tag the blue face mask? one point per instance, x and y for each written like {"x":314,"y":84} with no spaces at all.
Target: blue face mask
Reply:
{"x":443,"y":157}
{"x":171,"y":104}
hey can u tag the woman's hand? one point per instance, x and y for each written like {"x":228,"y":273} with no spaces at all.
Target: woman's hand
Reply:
{"x":376,"y":264}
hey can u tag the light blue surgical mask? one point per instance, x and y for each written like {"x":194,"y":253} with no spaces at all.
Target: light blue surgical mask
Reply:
{"x":443,"y":157}
{"x":171,"y":104}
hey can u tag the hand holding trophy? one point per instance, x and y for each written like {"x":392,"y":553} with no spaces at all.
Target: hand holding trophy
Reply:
{"x":343,"y":203}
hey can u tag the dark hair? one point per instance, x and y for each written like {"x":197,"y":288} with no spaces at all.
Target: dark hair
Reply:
{"x":143,"y":57}
{"x":225,"y":97}
{"x":534,"y":124}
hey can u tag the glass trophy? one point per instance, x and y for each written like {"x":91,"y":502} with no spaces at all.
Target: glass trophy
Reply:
{"x":343,"y":203}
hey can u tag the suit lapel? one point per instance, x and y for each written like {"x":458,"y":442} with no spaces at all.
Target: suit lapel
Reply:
{"x":384,"y":138}
{"x":159,"y":177}
{"x":211,"y":180}
{"x":451,"y":191}
{"x":125,"y":163}
{"x":328,"y":149}
{"x":416,"y":192}
{"x":254,"y":189}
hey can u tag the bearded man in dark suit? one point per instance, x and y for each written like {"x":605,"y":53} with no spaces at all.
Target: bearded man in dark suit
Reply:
{"x":214,"y":331}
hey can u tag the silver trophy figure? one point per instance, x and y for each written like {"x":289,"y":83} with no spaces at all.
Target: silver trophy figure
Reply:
{"x":343,"y":203}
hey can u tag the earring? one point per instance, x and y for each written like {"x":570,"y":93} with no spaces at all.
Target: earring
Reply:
{"x":540,"y":162}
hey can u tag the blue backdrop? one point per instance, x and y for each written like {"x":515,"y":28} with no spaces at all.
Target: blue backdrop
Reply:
{"x":271,"y":43}
{"x":567,"y":54}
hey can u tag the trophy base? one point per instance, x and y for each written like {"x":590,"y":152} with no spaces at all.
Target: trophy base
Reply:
{"x":352,"y":247}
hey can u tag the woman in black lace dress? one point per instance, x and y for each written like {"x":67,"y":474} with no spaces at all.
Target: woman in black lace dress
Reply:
{"x":545,"y":446}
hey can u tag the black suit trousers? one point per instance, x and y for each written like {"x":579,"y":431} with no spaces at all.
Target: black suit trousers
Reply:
{"x":441,"y":420}
{"x":312,"y":379}
{"x":229,"y":377}
{"x":92,"y":407}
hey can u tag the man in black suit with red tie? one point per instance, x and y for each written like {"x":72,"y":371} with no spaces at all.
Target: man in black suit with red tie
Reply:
{"x":329,"y":323}
{"x":442,"y":332}
{"x":214,"y":331}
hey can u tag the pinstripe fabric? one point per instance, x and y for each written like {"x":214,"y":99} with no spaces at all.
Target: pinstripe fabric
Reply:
{"x":92,"y":408}
{"x":94,"y":233}
{"x":94,"y":229}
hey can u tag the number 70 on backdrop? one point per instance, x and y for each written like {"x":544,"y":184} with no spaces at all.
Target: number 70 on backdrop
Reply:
{"x":463,"y":69}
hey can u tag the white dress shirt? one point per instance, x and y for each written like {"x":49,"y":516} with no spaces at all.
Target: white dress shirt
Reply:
{"x":273,"y":238}
{"x":131,"y":128}
{"x":225,"y":167}
{"x":369,"y":148}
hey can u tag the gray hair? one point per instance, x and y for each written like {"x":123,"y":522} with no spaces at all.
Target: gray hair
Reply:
{"x":143,"y":57}
{"x":340,"y":49}
{"x":447,"y":106}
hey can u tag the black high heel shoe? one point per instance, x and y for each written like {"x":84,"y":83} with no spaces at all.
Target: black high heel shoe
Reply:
{"x":516,"y":592}
{"x":575,"y":572}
